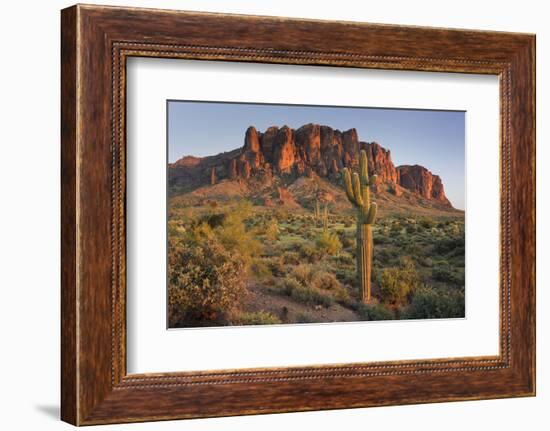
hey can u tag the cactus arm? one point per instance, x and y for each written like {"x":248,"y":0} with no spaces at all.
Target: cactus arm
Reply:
{"x":364,"y":177}
{"x":371,"y":215}
{"x":372,"y":180}
{"x":364,"y":168}
{"x":357,"y":190}
{"x":348,"y":186}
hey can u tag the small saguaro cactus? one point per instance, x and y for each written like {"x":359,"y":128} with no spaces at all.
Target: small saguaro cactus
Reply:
{"x":357,"y":191}
{"x":316,"y":211}
{"x":325,"y":218}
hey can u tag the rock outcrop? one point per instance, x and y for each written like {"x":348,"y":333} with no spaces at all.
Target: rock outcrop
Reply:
{"x":310,"y":149}
{"x":421,"y":181}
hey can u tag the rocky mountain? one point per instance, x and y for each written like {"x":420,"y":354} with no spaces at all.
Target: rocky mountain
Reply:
{"x":311,"y":150}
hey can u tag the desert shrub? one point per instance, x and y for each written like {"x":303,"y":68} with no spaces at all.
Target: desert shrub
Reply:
{"x":303,"y":273}
{"x":411,"y":228}
{"x":214,"y":220}
{"x":276,"y":266}
{"x":427,"y":223}
{"x":257,"y":318}
{"x":454,"y":245}
{"x":397,"y":283}
{"x":430,"y":303}
{"x":443,"y":272}
{"x":380,"y":238}
{"x":325,"y":281}
{"x":395,"y":231}
{"x":344,"y":259}
{"x":291,"y":258}
{"x":342,"y":296}
{"x":305,"y":318}
{"x":292,"y":231}
{"x":347,"y":241}
{"x":309,"y":233}
{"x":346,"y":276}
{"x":291,"y":287}
{"x":329,"y":243}
{"x":234,"y":236}
{"x":413,"y":248}
{"x":272,"y":230}
{"x":261,"y":269}
{"x":454,"y":229}
{"x":311,"y":296}
{"x":309,"y":252}
{"x":425,"y":261}
{"x":374,"y":311}
{"x":280,"y":214}
{"x":206,"y":281}
{"x":230,"y":230}
{"x":175,"y":228}
{"x":385,"y":256}
{"x":286,"y":285}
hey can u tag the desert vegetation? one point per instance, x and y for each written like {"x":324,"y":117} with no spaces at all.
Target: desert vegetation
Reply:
{"x":235,"y":263}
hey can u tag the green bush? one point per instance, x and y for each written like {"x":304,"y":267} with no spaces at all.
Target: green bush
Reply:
{"x":286,"y":285}
{"x":276,"y":266}
{"x":303,"y":273}
{"x":373,"y":311}
{"x":385,"y":256}
{"x":236,"y":238}
{"x":311,"y":296}
{"x":325,"y":281}
{"x":309,"y":252}
{"x":214,"y":220}
{"x":344,"y":258}
{"x":257,"y":318}
{"x":347,"y":241}
{"x":396,"y":284}
{"x":452,"y":245}
{"x":305,"y":318}
{"x":303,"y":294}
{"x":261,"y":269}
{"x":291,"y":258}
{"x":329,"y":243}
{"x":429,"y":303}
{"x":427,"y":223}
{"x":346,"y":276}
{"x":444,"y":273}
{"x":343,"y":297}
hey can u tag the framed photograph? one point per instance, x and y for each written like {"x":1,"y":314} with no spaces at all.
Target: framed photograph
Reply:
{"x":263,"y":214}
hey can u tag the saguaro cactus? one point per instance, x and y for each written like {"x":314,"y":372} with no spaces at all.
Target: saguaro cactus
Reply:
{"x":357,"y":191}
{"x":316,"y":211}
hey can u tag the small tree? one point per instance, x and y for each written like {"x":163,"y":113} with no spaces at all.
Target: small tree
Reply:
{"x":329,"y":243}
{"x":397,"y":284}
{"x":205,"y":281}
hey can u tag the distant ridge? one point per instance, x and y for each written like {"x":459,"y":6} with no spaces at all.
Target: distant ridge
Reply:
{"x":311,"y":150}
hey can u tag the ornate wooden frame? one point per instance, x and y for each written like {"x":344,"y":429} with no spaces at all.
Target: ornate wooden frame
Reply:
{"x":95,"y":42}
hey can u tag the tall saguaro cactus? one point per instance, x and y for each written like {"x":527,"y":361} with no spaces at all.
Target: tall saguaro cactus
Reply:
{"x":357,"y":191}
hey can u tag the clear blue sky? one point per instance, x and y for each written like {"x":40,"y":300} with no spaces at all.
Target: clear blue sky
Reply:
{"x":433,"y":139}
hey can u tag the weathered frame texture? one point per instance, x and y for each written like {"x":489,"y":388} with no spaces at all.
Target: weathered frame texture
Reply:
{"x":95,"y":43}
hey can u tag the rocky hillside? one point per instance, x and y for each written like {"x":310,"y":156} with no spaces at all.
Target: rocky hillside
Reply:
{"x":310,"y":151}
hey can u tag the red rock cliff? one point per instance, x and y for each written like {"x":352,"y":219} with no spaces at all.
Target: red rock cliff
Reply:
{"x":319,"y":149}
